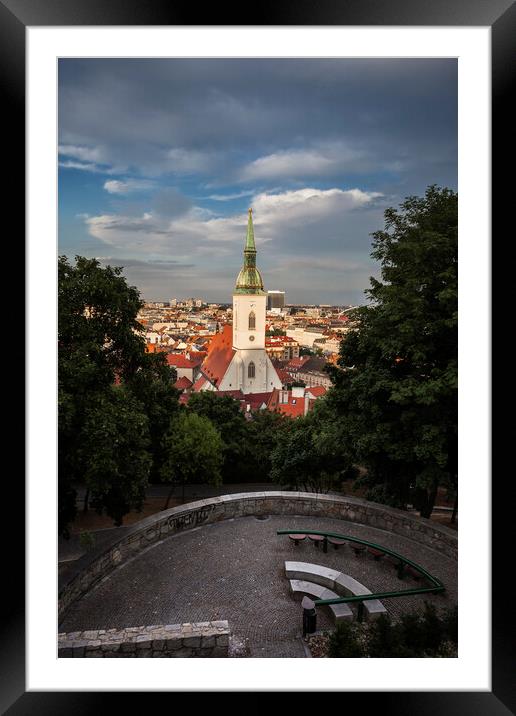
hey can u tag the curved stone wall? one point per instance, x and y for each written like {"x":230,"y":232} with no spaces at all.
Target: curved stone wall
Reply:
{"x":97,"y":564}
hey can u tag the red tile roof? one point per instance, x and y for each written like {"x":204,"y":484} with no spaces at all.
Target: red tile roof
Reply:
{"x":297,"y":363}
{"x":220,"y":355}
{"x":283,"y":375}
{"x":293,"y":410}
{"x":199,"y":383}
{"x":316,"y":390}
{"x":178,"y":360}
{"x":295,"y":407}
{"x":183,"y":383}
{"x":256,"y":400}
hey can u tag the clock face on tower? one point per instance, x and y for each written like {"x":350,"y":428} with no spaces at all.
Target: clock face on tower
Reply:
{"x":251,"y":338}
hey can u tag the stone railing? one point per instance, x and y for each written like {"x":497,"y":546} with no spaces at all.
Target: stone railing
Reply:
{"x":201,"y":639}
{"x":95,"y":565}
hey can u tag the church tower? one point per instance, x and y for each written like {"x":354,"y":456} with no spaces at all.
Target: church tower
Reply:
{"x":254,"y":372}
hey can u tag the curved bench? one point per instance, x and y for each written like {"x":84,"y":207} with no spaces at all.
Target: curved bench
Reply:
{"x":349,"y":587}
{"x":330,"y":579}
{"x":341,"y":612}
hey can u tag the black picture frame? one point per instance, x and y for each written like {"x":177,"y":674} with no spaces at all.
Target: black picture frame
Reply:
{"x":500,"y":15}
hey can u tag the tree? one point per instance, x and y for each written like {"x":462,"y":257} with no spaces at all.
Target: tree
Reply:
{"x":225,"y":414}
{"x":113,"y":451}
{"x":100,"y":344}
{"x":263,"y":433}
{"x":395,"y":386}
{"x":275,"y":332}
{"x":310,"y":454}
{"x":152,"y":385}
{"x":193,"y":451}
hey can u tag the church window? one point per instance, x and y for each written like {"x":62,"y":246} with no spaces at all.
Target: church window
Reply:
{"x":252,"y":321}
{"x":250,"y":370}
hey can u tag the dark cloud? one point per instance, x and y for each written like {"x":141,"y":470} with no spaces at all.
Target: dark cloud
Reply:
{"x":171,"y":203}
{"x":136,"y":263}
{"x":173,"y":151}
{"x":225,"y":112}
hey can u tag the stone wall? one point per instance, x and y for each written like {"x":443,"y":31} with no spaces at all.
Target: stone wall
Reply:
{"x":202,"y":639}
{"x":97,"y":564}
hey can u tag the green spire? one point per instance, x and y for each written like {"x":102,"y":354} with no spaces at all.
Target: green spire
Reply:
{"x":249,"y":241}
{"x":249,"y":279}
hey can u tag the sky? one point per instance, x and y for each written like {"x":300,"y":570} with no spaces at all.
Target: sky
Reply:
{"x":159,"y":160}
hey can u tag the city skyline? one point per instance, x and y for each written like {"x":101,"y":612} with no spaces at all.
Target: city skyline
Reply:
{"x":160,"y":159}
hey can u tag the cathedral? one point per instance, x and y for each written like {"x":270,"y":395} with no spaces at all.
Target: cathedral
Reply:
{"x":237,"y":360}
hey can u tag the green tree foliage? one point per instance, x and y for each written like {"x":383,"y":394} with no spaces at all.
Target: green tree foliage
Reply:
{"x":113,"y":452}
{"x":345,"y":642}
{"x":276,"y":332}
{"x":225,"y":414}
{"x":311,"y":454}
{"x":194,"y":451}
{"x":396,"y":385}
{"x":263,"y":433}
{"x":416,"y":634}
{"x":100,"y":344}
{"x":152,"y":384}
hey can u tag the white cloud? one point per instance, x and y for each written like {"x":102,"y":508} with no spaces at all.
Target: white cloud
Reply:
{"x":86,"y":154}
{"x":84,"y":166}
{"x":230,"y":197}
{"x":127,"y":186}
{"x":308,"y":204}
{"x":325,"y":159}
{"x":90,"y":159}
{"x":280,"y":218}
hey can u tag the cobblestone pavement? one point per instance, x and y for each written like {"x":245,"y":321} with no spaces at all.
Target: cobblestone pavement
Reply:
{"x":234,"y":570}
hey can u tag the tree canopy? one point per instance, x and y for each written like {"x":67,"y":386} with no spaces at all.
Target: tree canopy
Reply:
{"x":193,"y":450}
{"x":225,"y":414}
{"x":395,"y":386}
{"x":115,"y":400}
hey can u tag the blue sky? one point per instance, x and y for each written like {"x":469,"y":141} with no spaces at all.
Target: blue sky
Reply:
{"x":160,"y":159}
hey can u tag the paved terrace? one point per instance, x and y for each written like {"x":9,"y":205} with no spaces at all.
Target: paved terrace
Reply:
{"x":234,"y":570}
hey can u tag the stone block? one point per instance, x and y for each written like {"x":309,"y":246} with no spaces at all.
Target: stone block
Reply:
{"x":222,"y":640}
{"x":95,"y":644}
{"x":143,"y":642}
{"x":144,"y":653}
{"x":173,"y":644}
{"x":89,"y":634}
{"x":65,"y":653}
{"x":110,"y":647}
{"x":192,"y":642}
{"x":128,"y":646}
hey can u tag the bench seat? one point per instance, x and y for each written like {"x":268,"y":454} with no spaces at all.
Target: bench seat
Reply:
{"x":341,"y":612}
{"x":330,"y":579}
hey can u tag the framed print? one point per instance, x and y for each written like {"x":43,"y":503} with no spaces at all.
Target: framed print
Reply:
{"x":52,"y":55}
